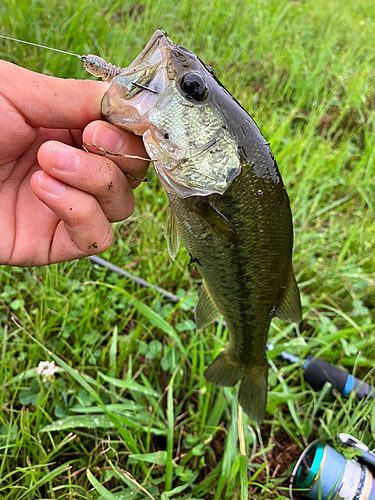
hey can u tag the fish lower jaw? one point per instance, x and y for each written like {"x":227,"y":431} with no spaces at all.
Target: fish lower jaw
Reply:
{"x":123,"y":114}
{"x":129,"y":121}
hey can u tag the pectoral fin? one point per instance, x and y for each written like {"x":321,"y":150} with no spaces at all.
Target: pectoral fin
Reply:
{"x":171,"y":234}
{"x":205,"y":312}
{"x":218,"y":223}
{"x":290,"y":309}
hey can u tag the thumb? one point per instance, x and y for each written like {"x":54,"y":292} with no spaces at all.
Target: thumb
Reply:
{"x":51,"y":102}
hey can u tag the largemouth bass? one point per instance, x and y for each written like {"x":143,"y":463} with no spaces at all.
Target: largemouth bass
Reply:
{"x":227,"y":202}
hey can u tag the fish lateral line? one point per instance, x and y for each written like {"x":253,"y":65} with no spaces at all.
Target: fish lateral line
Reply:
{"x":93,"y":64}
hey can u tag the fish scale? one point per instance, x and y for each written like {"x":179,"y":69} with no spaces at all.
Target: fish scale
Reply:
{"x":255,"y":264}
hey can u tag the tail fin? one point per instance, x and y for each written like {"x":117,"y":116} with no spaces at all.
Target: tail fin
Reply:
{"x":252,"y":395}
{"x":226,"y":371}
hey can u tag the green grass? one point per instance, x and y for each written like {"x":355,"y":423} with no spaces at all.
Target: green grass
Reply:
{"x":129,"y":414}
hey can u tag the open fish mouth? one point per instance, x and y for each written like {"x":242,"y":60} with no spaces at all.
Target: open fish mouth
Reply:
{"x":139,"y":86}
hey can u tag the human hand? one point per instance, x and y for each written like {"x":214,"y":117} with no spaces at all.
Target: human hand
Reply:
{"x":57,"y":201}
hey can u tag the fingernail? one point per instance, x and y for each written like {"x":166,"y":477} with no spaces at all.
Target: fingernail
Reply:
{"x":65,"y":158}
{"x":108,"y":139}
{"x":49,"y":184}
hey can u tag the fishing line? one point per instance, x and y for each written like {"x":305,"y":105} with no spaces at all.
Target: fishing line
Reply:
{"x":42,"y":46}
{"x":93,"y":64}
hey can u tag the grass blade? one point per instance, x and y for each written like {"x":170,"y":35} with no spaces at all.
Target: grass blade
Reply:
{"x":99,"y":487}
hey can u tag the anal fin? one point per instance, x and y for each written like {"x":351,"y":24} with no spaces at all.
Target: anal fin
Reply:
{"x":205,"y":312}
{"x":290,"y":309}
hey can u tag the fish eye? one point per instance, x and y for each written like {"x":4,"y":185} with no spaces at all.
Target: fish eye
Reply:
{"x":194,"y":86}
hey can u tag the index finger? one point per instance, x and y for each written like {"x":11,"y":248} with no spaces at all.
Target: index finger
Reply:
{"x":130,"y":154}
{"x":50,"y":102}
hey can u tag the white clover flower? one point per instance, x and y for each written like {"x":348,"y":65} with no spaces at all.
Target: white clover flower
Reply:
{"x":47,"y":369}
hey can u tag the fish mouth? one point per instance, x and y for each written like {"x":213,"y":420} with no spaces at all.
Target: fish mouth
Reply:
{"x":139,"y":86}
{"x":184,"y":133}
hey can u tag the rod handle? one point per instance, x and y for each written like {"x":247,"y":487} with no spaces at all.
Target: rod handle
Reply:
{"x":317,"y":372}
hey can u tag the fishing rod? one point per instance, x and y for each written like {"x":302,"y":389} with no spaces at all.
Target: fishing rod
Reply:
{"x":316,"y":371}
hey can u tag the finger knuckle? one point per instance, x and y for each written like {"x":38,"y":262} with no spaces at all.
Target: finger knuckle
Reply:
{"x":106,"y":174}
{"x":81,"y":214}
